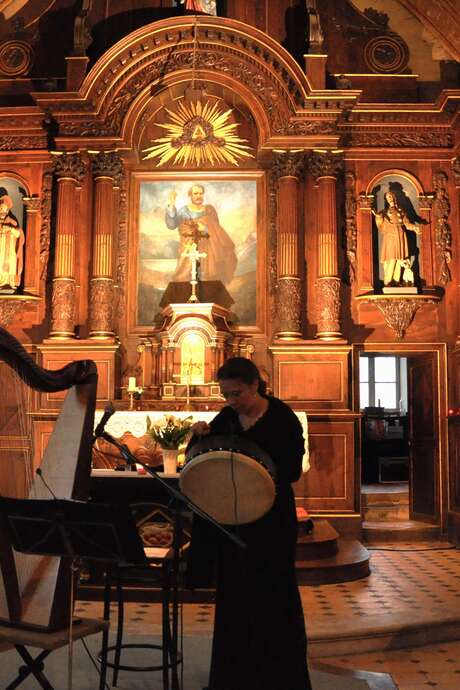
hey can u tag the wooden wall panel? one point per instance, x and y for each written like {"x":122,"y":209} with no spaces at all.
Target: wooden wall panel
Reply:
{"x":454,"y":456}
{"x":106,"y":358}
{"x":329,"y":485}
{"x":312,"y":379}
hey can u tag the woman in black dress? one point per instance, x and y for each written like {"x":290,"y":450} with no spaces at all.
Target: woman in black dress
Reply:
{"x":259,"y":632}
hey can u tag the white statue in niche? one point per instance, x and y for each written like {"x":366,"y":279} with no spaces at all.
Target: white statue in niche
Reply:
{"x":11,"y":247}
{"x":397,"y":262}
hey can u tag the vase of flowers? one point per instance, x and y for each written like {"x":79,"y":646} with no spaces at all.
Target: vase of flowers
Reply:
{"x":170,"y":432}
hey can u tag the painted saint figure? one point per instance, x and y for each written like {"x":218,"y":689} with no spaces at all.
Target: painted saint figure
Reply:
{"x":11,"y":247}
{"x":393,"y":223}
{"x":198,"y":222}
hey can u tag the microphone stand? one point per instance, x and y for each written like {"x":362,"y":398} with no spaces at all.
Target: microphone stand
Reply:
{"x":174,"y":493}
{"x":176,"y":544}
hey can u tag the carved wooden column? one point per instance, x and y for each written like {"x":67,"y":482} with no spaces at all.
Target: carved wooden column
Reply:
{"x":325,"y":167}
{"x":69,"y":172}
{"x":107,"y":170}
{"x":288,"y":169}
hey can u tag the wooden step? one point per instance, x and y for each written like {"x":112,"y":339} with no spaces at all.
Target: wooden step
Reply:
{"x":385,"y":498}
{"x":386,"y":512}
{"x":321,"y":542}
{"x":400,"y":530}
{"x":351,"y":562}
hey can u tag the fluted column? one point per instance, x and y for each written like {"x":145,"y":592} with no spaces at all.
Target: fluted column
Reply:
{"x":287,"y":169}
{"x":107,"y":169}
{"x":325,"y":168}
{"x":69,"y":171}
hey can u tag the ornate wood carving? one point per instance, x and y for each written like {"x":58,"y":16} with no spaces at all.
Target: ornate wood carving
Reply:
{"x":398,"y":311}
{"x":45,"y":213}
{"x":122,"y":244}
{"x":70,"y":165}
{"x":11,"y":142}
{"x":456,"y":170}
{"x":63,"y":308}
{"x":107,"y":164}
{"x":8,"y":310}
{"x":399,"y":314}
{"x":101,"y":307}
{"x":328,"y":308}
{"x":327,"y":164}
{"x":350,"y":227}
{"x":289,"y":301}
{"x":288,"y":164}
{"x":443,"y":232}
{"x":407,"y":138}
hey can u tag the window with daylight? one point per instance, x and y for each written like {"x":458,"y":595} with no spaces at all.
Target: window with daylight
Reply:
{"x":383,"y":382}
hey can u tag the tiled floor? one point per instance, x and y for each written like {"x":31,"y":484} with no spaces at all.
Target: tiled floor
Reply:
{"x":412,"y":587}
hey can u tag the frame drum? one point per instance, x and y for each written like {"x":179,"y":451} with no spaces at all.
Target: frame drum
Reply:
{"x":230,"y":478}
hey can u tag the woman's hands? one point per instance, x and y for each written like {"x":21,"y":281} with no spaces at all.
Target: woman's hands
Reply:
{"x":201,"y":429}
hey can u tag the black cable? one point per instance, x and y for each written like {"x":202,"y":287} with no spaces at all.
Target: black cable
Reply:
{"x":93,"y":661}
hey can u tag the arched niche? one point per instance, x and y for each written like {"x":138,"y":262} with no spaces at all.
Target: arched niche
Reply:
{"x":407,"y":191}
{"x":12,"y":235}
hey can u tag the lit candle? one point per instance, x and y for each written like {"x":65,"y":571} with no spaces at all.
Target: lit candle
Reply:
{"x":132,"y":388}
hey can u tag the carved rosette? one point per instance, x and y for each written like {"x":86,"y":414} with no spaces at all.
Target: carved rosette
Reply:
{"x":350,"y":226}
{"x":101,"y":308}
{"x":443,"y":232}
{"x":63,"y":308}
{"x":107,"y":165}
{"x":327,"y":164}
{"x":328,"y":308}
{"x":289,"y":302}
{"x":70,"y":166}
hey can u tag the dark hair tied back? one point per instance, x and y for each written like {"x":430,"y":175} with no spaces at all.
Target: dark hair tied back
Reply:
{"x":244,"y":370}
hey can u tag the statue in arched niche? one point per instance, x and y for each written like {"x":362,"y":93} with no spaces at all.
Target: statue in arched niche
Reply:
{"x":11,"y":246}
{"x":396,"y":253}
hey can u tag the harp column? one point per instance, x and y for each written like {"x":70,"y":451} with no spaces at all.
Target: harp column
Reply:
{"x":325,"y":168}
{"x":107,"y":170}
{"x":69,"y":171}
{"x":288,"y":168}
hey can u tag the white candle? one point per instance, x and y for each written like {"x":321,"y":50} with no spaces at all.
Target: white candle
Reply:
{"x":132,"y":388}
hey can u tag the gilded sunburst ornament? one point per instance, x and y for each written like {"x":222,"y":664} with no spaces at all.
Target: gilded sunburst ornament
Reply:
{"x":199,"y":133}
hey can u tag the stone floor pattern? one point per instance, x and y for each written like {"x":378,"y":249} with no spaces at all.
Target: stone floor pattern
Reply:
{"x":409,"y":582}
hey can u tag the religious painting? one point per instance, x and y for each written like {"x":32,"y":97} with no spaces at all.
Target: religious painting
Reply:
{"x":396,"y":232}
{"x":217,"y":217}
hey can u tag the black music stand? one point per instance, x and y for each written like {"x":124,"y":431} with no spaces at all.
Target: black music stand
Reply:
{"x":69,"y":529}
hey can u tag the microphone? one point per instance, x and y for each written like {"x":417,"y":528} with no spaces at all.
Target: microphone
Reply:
{"x":39,"y":473}
{"x":108,"y":412}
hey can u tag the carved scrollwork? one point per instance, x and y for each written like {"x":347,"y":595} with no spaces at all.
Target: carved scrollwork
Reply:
{"x":456,"y":170}
{"x":107,"y":164}
{"x":350,"y":226}
{"x":122,"y":243}
{"x":45,"y":230}
{"x":398,"y":139}
{"x":399,"y":314}
{"x":9,"y":142}
{"x":8,"y":310}
{"x":443,"y":232}
{"x":101,"y":307}
{"x":70,"y":165}
{"x":288,"y":164}
{"x":289,"y":301}
{"x":272,"y":242}
{"x":327,"y":164}
{"x":63,"y":307}
{"x":328,"y":308}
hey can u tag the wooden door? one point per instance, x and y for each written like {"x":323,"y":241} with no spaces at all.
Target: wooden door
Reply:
{"x":424,"y":438}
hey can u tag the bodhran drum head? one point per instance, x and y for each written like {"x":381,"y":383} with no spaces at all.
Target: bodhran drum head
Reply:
{"x":230,"y":478}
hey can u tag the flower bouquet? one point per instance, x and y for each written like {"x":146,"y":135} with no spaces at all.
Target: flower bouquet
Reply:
{"x":170,"y":432}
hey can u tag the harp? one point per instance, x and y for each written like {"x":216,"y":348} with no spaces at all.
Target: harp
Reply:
{"x":35,"y":590}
